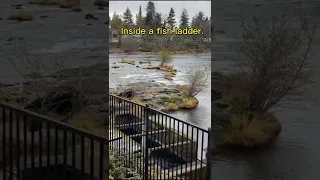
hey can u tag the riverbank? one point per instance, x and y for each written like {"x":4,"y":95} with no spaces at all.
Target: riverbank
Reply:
{"x":189,"y":51}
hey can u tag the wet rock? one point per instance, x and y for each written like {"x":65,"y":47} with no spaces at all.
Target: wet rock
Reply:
{"x":128,"y":93}
{"x":100,"y":7}
{"x":94,"y":56}
{"x":69,"y":3}
{"x":101,"y":3}
{"x":146,"y":97}
{"x":76,"y":8}
{"x":90,"y":17}
{"x":17,"y":6}
{"x":115,"y":66}
{"x":14,"y":39}
{"x":22,"y":16}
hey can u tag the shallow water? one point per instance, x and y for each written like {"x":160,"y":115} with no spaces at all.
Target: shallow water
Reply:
{"x":295,"y":155}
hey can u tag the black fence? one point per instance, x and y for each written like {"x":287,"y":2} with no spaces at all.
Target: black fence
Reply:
{"x":153,"y":144}
{"x":157,"y":145}
{"x":34,"y":147}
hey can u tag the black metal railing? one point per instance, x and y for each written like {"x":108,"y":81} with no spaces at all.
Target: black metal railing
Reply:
{"x":154,"y":144}
{"x":157,"y":145}
{"x":34,"y":146}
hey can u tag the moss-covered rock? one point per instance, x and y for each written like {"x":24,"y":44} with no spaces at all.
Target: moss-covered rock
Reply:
{"x":189,"y":103}
{"x":76,"y":8}
{"x":132,"y":62}
{"x":246,"y":132}
{"x":115,"y":66}
{"x":22,"y":16}
{"x":172,"y":107}
{"x":138,"y":101}
{"x":168,"y":77}
{"x":171,"y":99}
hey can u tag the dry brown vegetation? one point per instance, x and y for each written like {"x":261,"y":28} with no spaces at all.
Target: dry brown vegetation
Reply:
{"x":22,"y":16}
{"x":249,"y":132}
{"x":44,"y":2}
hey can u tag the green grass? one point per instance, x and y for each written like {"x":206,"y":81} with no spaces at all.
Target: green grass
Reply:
{"x":171,"y":100}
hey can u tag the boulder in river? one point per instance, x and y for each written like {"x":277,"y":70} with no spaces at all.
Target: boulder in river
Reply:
{"x":22,"y":16}
{"x":128,"y":93}
{"x":90,"y":17}
{"x":101,"y":3}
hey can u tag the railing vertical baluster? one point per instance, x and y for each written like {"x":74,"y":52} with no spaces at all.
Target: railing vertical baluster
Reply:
{"x":208,"y":155}
{"x":92,"y":158}
{"x":10,"y":144}
{"x":25,"y":141}
{"x":4,"y":148}
{"x":174,"y":139}
{"x":73,"y":150}
{"x":146,"y":160}
{"x":197,"y":141}
{"x":32,"y":143}
{"x":202,"y":141}
{"x":65,"y":137}
{"x":82,"y":153}
{"x":56,"y":145}
{"x":187,"y":147}
{"x":101,"y":159}
{"x":18,"y":145}
{"x":40,"y":143}
{"x":48,"y":144}
{"x":169,"y":135}
{"x":192,"y":154}
{"x":165,"y":133}
{"x":158,"y":129}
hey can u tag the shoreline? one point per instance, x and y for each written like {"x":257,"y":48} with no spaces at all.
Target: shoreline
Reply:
{"x":194,"y":51}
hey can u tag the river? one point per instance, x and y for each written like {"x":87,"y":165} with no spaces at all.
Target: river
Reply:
{"x":129,"y":73}
{"x":295,"y":155}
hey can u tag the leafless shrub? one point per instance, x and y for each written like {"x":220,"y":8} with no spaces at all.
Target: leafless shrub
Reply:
{"x":52,"y":87}
{"x":196,"y":79}
{"x":273,"y":61}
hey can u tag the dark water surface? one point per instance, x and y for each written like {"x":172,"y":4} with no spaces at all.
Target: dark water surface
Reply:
{"x":295,"y":156}
{"x":63,"y":35}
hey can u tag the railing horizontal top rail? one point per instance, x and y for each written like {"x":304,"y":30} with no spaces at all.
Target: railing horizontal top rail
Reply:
{"x":35,"y":116}
{"x":162,"y":113}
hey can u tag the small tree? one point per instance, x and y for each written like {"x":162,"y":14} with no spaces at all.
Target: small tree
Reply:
{"x":197,"y":80}
{"x":273,"y":61}
{"x":165,"y":57}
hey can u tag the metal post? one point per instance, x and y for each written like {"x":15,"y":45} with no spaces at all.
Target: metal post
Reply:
{"x":208,"y":155}
{"x":146,"y":152}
